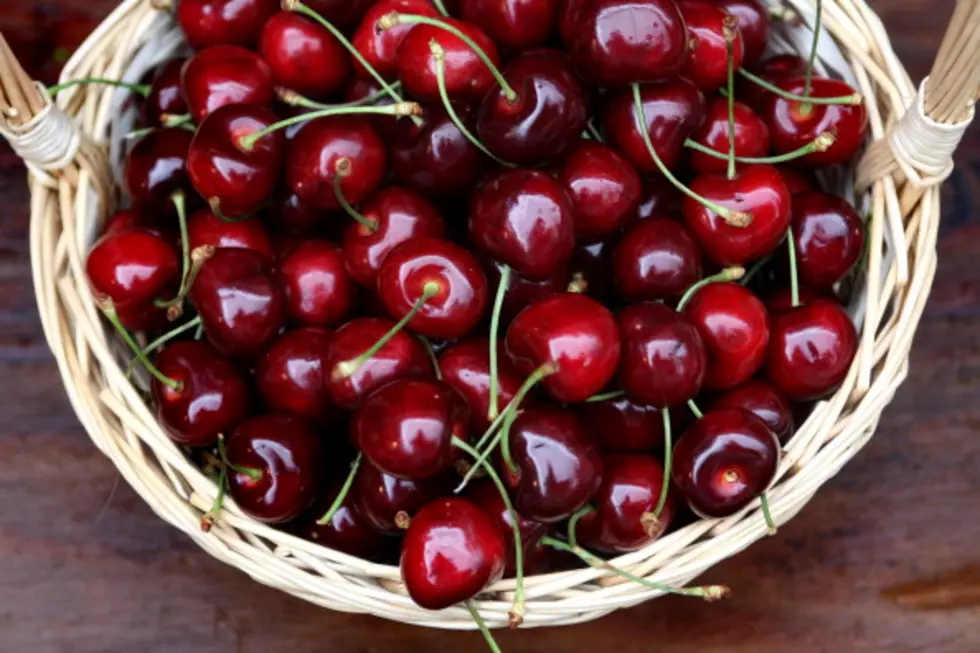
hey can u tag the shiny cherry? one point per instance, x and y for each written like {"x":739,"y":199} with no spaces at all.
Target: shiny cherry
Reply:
{"x":165,"y":98}
{"x":465,"y":366}
{"x":205,"y":228}
{"x":137,"y":218}
{"x":664,"y":358}
{"x":602,"y":187}
{"x":724,"y":461}
{"x":754,"y":26}
{"x":660,"y":199}
{"x":576,"y":335}
{"x":288,"y":214}
{"x":761,"y":398}
{"x":156,"y":167}
{"x":656,"y":259}
{"x":707,"y":27}
{"x":132,"y":268}
{"x":348,"y":531}
{"x":319,"y":292}
{"x":388,"y":502}
{"x":303,"y":56}
{"x":829,"y":237}
{"x":224,"y":22}
{"x":380,"y":46}
{"x":291,"y":376}
{"x":536,"y":558}
{"x":751,"y":135}
{"x":811,"y":349}
{"x":223,"y":75}
{"x":618,"y":425}
{"x":774,"y":69}
{"x":514,"y":25}
{"x":451,"y":552}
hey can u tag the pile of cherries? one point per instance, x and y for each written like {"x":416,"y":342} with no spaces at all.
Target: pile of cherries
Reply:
{"x":445,"y":281}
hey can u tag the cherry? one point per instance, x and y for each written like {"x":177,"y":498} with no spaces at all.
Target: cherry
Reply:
{"x":618,"y":425}
{"x":724,"y":461}
{"x":401,"y":356}
{"x":136,"y":218}
{"x":522,"y":218}
{"x":536,"y":557}
{"x":274,"y":462}
{"x":291,"y":376}
{"x":673,"y":110}
{"x":656,"y":259}
{"x":303,"y":56}
{"x":557,"y":469}
{"x":439,"y":283}
{"x":165,"y":97}
{"x":829,"y":238}
{"x":378,"y":46}
{"x":514,"y":25}
{"x":545,"y":118}
{"x":798,"y":181}
{"x":756,"y":190}
{"x":761,"y":398}
{"x":603,"y":188}
{"x":242,"y":307}
{"x":224,"y":22}
{"x":618,"y":42}
{"x":753,"y":22}
{"x":344,"y":14}
{"x":811,"y":348}
{"x":451,"y":552}
{"x":575,"y":335}
{"x":223,"y":75}
{"x":132,"y":268}
{"x":522,"y":292}
{"x":625,"y":503}
{"x":709,"y":26}
{"x":205,"y":228}
{"x":335,"y":153}
{"x":291,"y":215}
{"x":212,"y":396}
{"x":348,"y":530}
{"x":794,"y":124}
{"x":235,"y":181}
{"x":773,"y":70}
{"x":391,"y":216}
{"x":664,"y":358}
{"x":156,"y":168}
{"x":660,"y":199}
{"x":405,"y":428}
{"x":751,"y":136}
{"x":465,"y":366}
{"x":388,"y":502}
{"x":319,"y":292}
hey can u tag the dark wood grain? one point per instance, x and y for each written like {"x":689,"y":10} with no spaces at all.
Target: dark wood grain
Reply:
{"x":884,"y":559}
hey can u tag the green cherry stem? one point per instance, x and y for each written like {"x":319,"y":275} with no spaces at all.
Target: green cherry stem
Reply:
{"x":252,"y":473}
{"x":733,"y":273}
{"x":668,"y":463}
{"x":854,"y":98}
{"x":498,"y":304}
{"x":754,"y":270}
{"x":215,"y":205}
{"x":573,"y":524}
{"x":162,"y":340}
{"x":211,"y":516}
{"x":734,"y":218}
{"x":794,"y":276}
{"x":812,"y":59}
{"x":729,"y":31}
{"x":482,"y":626}
{"x":431,"y":353}
{"x":615,"y":394}
{"x":692,"y":405}
{"x":344,"y":491}
{"x":294,"y":99}
{"x":178,"y":200}
{"x":593,"y":132}
{"x":440,"y":7}
{"x":341,"y":170}
{"x":820,"y":144}
{"x":140,"y":89}
{"x":107,"y":308}
{"x":767,"y":514}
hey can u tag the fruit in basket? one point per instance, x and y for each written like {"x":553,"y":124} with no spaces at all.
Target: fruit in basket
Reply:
{"x":303,"y":56}
{"x":225,"y":74}
{"x":224,"y":22}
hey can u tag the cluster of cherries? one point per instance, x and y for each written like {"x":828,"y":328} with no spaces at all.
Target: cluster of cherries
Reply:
{"x":449,"y":277}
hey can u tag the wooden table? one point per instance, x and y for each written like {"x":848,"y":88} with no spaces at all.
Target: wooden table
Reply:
{"x":886,"y":558}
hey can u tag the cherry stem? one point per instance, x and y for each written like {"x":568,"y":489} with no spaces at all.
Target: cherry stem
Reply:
{"x":615,"y":394}
{"x":176,"y":120}
{"x":192,"y":261}
{"x":794,"y":276}
{"x":247,"y":143}
{"x":252,"y":473}
{"x":200,"y":332}
{"x":141,"y":89}
{"x":344,"y":491}
{"x":215,"y":205}
{"x":812,"y":59}
{"x":395,"y":18}
{"x":164,"y":339}
{"x":729,"y":31}
{"x":517,"y":611}
{"x":593,"y":132}
{"x":440,"y":7}
{"x":343,"y":169}
{"x":211,"y":516}
{"x":733,"y":273}
{"x":107,"y":308}
{"x":346,"y":369}
{"x":707,"y":592}
{"x":734,"y":218}
{"x":854,"y":98}
{"x":498,"y":304}
{"x":573,"y":524}
{"x":668,"y":462}
{"x":754,"y":270}
{"x":820,"y":144}
{"x":294,"y":99}
{"x":431,"y":353}
{"x":482,"y":625}
{"x":694,"y":409}
{"x":767,"y":514}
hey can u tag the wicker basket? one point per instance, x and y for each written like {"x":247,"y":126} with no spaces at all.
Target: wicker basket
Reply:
{"x":74,"y":152}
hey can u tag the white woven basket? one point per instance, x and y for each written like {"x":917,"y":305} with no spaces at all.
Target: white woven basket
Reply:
{"x":74,"y":166}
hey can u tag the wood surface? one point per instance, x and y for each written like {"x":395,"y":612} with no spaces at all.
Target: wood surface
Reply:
{"x":885,"y":559}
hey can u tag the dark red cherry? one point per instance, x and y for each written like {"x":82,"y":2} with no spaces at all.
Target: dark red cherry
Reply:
{"x":396,"y":214}
{"x":798,"y":181}
{"x":623,"y":519}
{"x":761,"y":398}
{"x":213,"y":397}
{"x":759,"y":192}
{"x":402,"y":356}
{"x":283,"y":457}
{"x":224,"y":22}
{"x":664,"y":358}
{"x":288,"y":214}
{"x":660,"y":199}
{"x":156,"y":168}
{"x":234,"y":180}
{"x":327,"y":148}
{"x":451,"y":552}
{"x":348,"y":531}
{"x":557,"y":467}
{"x":319,"y":292}
{"x":811,"y":348}
{"x":618,"y":425}
{"x":656,"y":259}
{"x":380,"y":46}
{"x":829,"y":237}
{"x":465,"y":366}
{"x":545,"y":119}
{"x":733,"y":324}
{"x":773,"y":70}
{"x":724,"y":461}
{"x":522,"y":292}
{"x":514,"y":25}
{"x":618,"y":42}
{"x":223,"y":75}
{"x":673,"y":110}
{"x":137,"y":218}
{"x":467,"y":78}
{"x":344,"y":14}
{"x":751,"y":135}
{"x":522,"y":218}
{"x":794,"y":124}
{"x":602,"y":188}
{"x":242,"y":307}
{"x":707,"y":24}
{"x":303,"y":56}
{"x":753,"y":24}
{"x":387,"y":502}
{"x":133,"y":268}
{"x":575,"y":334}
{"x":291,"y":375}
{"x":536,"y":557}
{"x":165,"y":98}
{"x":405,"y":428}
{"x":205,"y":228}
